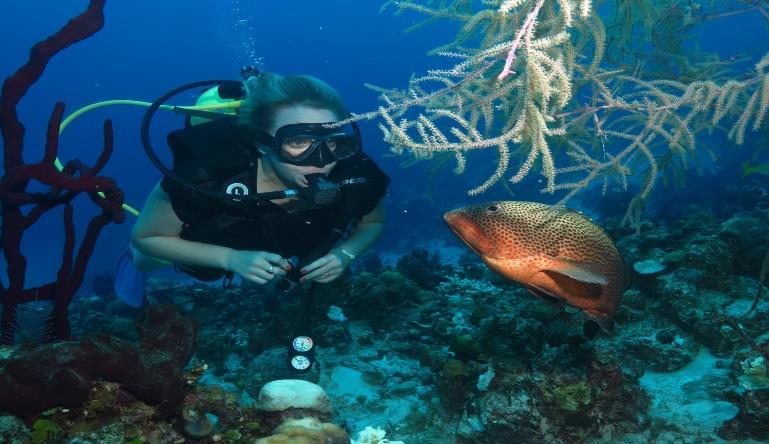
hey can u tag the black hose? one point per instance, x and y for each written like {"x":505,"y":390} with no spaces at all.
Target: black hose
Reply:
{"x":153,"y":157}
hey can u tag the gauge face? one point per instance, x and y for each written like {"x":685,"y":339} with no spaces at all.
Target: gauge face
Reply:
{"x":237,"y":188}
{"x":300,"y":363}
{"x":302,"y":344}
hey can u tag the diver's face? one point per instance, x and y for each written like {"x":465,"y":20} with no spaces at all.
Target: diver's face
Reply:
{"x":294,"y":174}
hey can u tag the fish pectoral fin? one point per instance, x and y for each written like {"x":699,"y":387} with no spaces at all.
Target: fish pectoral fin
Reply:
{"x":545,"y":295}
{"x":580,"y":271}
{"x":604,"y":320}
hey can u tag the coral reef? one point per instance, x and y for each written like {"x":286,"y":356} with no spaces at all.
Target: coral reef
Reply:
{"x":13,"y":430}
{"x":471,"y":359}
{"x":755,"y":374}
{"x":422,"y":267}
{"x":306,"y":430}
{"x":372,"y":435}
{"x":751,"y":421}
{"x":61,"y":374}
{"x":298,"y":407}
{"x":285,"y":399}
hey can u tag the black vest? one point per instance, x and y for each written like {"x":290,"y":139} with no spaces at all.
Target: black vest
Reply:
{"x":215,"y":154}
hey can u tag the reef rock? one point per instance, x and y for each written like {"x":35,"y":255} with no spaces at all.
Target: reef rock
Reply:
{"x":290,"y":399}
{"x":61,"y":374}
{"x":747,"y":238}
{"x":285,"y":394}
{"x":306,"y":430}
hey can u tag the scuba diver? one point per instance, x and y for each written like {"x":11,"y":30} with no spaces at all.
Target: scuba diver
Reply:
{"x":282,"y":143}
{"x":266,"y":183}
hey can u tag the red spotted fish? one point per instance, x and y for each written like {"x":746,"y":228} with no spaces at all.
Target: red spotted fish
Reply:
{"x":558,"y":255}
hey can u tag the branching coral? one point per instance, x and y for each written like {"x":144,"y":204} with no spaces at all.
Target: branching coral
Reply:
{"x":532,"y":80}
{"x":63,"y":185}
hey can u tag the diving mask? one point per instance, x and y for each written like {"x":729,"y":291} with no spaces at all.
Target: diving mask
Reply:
{"x":316,"y":144}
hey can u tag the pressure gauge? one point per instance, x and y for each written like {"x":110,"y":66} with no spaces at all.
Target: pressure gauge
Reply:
{"x":300,"y":363}
{"x":302,"y":344}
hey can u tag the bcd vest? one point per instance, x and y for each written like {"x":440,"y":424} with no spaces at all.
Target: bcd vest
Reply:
{"x":217,"y":154}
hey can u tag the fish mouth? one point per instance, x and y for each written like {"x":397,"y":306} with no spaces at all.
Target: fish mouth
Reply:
{"x":469,"y":245}
{"x":468,"y":231}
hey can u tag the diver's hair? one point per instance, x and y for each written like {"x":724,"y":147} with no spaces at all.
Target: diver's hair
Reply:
{"x":268,"y":92}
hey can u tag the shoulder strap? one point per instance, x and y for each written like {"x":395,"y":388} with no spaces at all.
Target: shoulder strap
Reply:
{"x":217,"y":149}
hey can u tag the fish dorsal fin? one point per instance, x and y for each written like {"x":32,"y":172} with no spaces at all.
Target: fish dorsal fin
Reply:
{"x":580,"y":271}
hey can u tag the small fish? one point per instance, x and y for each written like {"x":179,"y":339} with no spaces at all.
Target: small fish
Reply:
{"x":762,"y":169}
{"x":558,"y":255}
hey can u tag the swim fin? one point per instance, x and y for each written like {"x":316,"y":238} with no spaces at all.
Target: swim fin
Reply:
{"x":129,"y":280}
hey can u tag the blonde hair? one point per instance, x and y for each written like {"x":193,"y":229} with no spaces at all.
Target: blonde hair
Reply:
{"x":268,"y":92}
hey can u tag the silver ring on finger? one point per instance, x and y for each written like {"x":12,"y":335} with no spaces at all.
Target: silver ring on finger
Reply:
{"x":271,"y":269}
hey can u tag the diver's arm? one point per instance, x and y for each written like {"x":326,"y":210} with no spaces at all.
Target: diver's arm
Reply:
{"x":156,"y":234}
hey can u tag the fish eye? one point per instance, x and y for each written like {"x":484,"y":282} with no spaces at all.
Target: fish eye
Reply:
{"x":492,"y":208}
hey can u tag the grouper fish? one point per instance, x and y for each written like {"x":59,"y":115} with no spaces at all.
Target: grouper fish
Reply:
{"x":557,"y":254}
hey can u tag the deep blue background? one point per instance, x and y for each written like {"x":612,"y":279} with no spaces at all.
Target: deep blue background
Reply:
{"x":148,"y":47}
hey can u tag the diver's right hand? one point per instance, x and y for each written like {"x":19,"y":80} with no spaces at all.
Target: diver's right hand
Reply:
{"x":257,"y":266}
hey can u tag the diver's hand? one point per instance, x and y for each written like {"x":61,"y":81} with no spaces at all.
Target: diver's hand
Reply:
{"x":325,"y":269}
{"x":257,"y":266}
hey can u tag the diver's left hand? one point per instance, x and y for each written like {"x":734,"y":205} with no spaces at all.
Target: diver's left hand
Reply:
{"x":325,"y":269}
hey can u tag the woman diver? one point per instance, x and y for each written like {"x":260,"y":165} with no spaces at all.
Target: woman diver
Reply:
{"x":282,"y":138}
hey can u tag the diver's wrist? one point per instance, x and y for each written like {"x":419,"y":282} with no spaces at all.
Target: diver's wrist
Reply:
{"x":346,"y":252}
{"x":226,"y":258}
{"x":344,"y":255}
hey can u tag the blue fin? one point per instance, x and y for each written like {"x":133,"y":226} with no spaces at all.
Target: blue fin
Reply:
{"x":129,"y":281}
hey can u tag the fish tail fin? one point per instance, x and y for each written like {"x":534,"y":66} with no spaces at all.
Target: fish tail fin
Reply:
{"x":604,"y":320}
